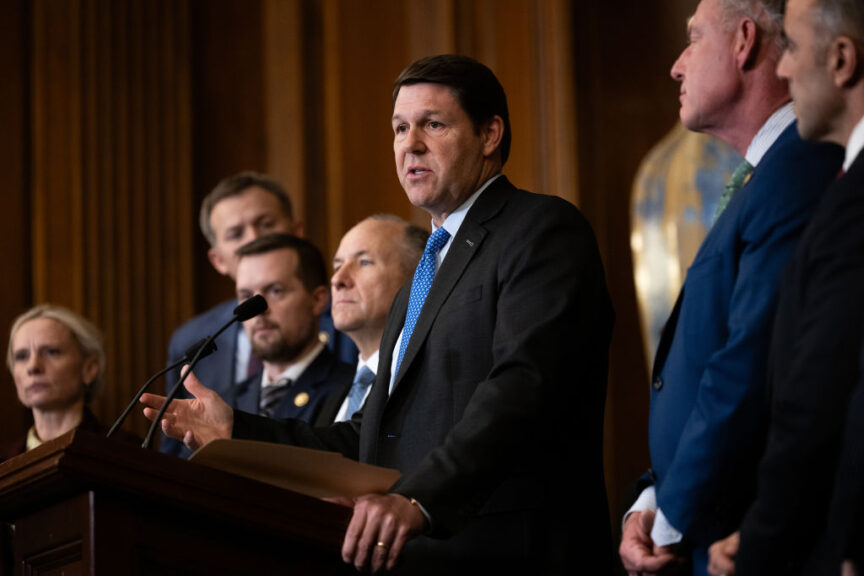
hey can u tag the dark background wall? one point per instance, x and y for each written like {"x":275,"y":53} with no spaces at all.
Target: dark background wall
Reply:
{"x":119,"y":116}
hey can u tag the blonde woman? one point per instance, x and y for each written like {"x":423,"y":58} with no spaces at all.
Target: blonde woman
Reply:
{"x":57,"y":361}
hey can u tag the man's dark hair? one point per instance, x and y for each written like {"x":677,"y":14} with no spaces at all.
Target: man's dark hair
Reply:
{"x":234,"y":186}
{"x":833,"y":18}
{"x":311,"y":269}
{"x":473,"y":84}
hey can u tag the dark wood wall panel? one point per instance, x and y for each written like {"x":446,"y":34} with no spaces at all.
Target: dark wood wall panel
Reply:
{"x":228,"y":130}
{"x":57,"y":183}
{"x":111,"y":150}
{"x":626,"y":102}
{"x":15,"y":290}
{"x":361,"y":177}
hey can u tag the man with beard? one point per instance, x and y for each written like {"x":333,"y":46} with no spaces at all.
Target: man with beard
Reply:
{"x":241,"y":208}
{"x":299,"y":371}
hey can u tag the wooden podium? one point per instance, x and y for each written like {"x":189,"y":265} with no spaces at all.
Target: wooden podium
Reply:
{"x":83,"y":504}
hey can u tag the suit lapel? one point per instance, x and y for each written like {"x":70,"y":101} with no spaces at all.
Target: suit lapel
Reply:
{"x":247,"y":395}
{"x":374,"y":407}
{"x":315,"y":373}
{"x":666,"y":335}
{"x":465,"y":245}
{"x":395,"y":321}
{"x":707,"y":249}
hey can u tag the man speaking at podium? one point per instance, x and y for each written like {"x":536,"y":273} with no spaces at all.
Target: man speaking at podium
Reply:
{"x":493,"y":362}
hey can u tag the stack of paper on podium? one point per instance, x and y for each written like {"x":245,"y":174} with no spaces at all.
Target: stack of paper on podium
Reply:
{"x":312,"y":472}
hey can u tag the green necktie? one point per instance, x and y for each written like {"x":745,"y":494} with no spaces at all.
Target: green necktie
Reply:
{"x":739,"y":177}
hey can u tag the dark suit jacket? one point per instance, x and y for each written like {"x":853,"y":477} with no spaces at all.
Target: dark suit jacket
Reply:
{"x":332,"y":404}
{"x":708,"y":414}
{"x":500,"y":394}
{"x":323,"y":378}
{"x":217,"y":370}
{"x":89,"y":422}
{"x":844,"y":537}
{"x":814,"y":365}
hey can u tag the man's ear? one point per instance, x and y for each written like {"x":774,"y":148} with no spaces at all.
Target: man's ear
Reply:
{"x":218,"y":261}
{"x":842,"y":61}
{"x":298,"y":229}
{"x":492,"y":132}
{"x":746,"y":43}
{"x":321,"y":296}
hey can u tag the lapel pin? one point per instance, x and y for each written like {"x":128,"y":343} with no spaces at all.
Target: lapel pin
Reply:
{"x":301,"y":399}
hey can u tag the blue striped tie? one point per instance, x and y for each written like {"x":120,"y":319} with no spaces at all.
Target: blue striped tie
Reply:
{"x":362,"y":380}
{"x":423,"y":277}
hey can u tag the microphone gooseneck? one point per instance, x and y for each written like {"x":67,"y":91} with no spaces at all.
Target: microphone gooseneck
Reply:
{"x":187,"y":356}
{"x":244,"y":311}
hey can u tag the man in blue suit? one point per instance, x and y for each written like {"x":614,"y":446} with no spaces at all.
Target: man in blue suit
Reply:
{"x":708,"y":415}
{"x":241,"y":208}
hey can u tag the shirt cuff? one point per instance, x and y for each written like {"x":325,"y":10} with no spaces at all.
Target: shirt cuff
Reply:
{"x":663,"y":533}
{"x":647,"y":500}
{"x":424,"y":512}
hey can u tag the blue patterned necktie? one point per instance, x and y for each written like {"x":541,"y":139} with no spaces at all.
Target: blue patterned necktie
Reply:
{"x":739,"y":177}
{"x":362,"y":380}
{"x":423,"y":277}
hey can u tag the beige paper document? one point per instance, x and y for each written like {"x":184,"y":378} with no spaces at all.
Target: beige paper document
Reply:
{"x":311,"y":472}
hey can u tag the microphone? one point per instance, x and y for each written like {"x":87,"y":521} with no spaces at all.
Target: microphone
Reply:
{"x":247,"y":310}
{"x":187,"y":356}
{"x":244,"y":311}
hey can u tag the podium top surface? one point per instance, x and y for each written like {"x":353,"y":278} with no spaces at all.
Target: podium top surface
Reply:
{"x":81,"y":461}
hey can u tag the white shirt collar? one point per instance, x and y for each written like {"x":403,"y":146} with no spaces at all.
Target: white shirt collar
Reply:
{"x":371,"y":363}
{"x":768,"y":134}
{"x":855,"y":144}
{"x":296,"y":370}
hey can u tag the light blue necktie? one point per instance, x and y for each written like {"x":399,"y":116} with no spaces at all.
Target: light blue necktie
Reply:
{"x":423,"y":277}
{"x":362,"y":380}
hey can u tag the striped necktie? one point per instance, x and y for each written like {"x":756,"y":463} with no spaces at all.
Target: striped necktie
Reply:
{"x":271,"y":396}
{"x":362,"y":380}
{"x":739,"y":177}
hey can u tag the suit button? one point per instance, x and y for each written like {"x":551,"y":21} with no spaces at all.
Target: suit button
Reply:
{"x":657,"y":383}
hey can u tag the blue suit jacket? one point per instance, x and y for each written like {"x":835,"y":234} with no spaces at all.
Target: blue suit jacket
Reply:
{"x":323,"y":378}
{"x":217,"y":370}
{"x":708,"y":413}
